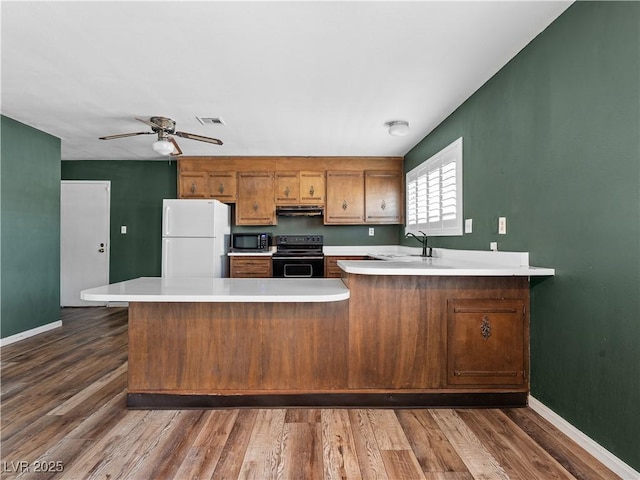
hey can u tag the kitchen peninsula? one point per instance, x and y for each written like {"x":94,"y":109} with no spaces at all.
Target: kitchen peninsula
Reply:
{"x":408,"y":331}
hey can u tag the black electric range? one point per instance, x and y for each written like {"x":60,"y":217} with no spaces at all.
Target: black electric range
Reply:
{"x":298,"y":256}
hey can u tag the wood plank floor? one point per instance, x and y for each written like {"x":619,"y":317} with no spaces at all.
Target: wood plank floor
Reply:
{"x":63,"y":411}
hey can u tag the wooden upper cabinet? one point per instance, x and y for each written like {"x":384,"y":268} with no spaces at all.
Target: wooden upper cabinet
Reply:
{"x":255,"y":204}
{"x":383,"y":197}
{"x":287,"y":188}
{"x":223,"y":186}
{"x":487,"y":342}
{"x":193,"y":185}
{"x":345,"y":197}
{"x":312,"y":187}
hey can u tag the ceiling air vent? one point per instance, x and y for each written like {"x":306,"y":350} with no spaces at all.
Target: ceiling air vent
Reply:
{"x":210,"y":120}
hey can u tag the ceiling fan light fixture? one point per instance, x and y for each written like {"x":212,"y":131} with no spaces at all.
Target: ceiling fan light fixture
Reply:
{"x":163,"y":147}
{"x":398,"y":128}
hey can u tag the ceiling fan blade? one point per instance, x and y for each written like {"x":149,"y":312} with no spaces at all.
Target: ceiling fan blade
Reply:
{"x":176,"y":147}
{"x":123,"y":135}
{"x":200,"y":138}
{"x":146,"y":121}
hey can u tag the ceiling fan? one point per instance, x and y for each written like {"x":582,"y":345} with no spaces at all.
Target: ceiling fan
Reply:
{"x":164,"y":128}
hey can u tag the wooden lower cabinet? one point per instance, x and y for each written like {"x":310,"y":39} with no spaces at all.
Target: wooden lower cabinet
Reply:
{"x":415,"y":341}
{"x":250,"y":267}
{"x":209,"y":348}
{"x":331,"y":269}
{"x":486,"y":342}
{"x":419,"y":332}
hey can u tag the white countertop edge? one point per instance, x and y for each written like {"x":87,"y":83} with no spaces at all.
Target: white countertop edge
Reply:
{"x":263,"y":290}
{"x":217,"y":299}
{"x":267,"y":253}
{"x":441,"y":268}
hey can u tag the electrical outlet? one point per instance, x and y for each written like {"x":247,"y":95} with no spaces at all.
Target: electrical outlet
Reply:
{"x":123,"y":229}
{"x":468,"y":225}
{"x":502,"y":225}
{"x":371,"y":231}
{"x":493,"y":246}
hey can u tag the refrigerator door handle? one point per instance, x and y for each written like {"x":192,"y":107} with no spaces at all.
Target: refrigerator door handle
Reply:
{"x":165,"y":260}
{"x":166,"y":220}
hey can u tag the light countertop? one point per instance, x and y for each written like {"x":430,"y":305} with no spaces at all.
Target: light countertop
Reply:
{"x":257,"y":253}
{"x":158,"y":289}
{"x":446,"y":262}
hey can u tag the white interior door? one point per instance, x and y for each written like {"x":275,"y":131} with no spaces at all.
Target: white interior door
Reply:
{"x":84,"y":239}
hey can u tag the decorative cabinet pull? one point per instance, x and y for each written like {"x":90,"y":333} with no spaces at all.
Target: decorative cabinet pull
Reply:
{"x":383,"y":205}
{"x":255,"y":206}
{"x":485,"y":327}
{"x":221,"y":188}
{"x":344,"y":205}
{"x":287,"y":191}
{"x":312,"y":191}
{"x":193,"y":187}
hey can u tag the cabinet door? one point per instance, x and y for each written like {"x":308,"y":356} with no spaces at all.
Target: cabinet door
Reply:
{"x":383,"y":197}
{"x":287,"y":188}
{"x":193,"y":185}
{"x":255,"y":204}
{"x":223,"y":186}
{"x":345,"y":197}
{"x":486,"y":342}
{"x":312,"y":188}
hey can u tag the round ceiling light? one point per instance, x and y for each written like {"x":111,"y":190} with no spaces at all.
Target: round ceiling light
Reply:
{"x":398,"y":128}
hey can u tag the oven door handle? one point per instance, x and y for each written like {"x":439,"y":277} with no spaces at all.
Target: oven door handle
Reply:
{"x":298,"y":258}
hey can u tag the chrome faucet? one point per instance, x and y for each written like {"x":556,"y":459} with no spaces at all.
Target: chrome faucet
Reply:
{"x":426,"y":251}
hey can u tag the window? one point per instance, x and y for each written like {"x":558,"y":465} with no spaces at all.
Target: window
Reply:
{"x":434,"y":194}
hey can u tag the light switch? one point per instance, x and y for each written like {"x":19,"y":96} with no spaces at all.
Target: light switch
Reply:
{"x":468,"y":225}
{"x":123,"y":229}
{"x":502,"y":225}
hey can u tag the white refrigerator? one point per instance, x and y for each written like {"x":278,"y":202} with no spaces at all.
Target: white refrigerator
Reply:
{"x":195,"y":238}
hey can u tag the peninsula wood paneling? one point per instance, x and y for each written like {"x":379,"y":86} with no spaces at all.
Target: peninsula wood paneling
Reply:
{"x":192,"y":348}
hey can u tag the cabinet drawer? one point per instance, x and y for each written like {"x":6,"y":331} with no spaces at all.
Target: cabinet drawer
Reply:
{"x":250,"y":267}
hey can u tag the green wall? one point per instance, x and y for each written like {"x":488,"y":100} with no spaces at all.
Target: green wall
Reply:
{"x":30,"y":227}
{"x":333,"y":234}
{"x":552,"y":142}
{"x":137,"y":190}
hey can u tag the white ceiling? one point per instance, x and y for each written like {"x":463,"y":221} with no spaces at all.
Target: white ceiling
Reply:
{"x":288,"y":78}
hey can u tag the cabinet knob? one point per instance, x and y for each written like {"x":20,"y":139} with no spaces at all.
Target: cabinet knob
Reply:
{"x":345,"y":205}
{"x":383,"y":205}
{"x":255,"y":206}
{"x":221,"y":188}
{"x":485,"y":327}
{"x":287,"y":191}
{"x":312,"y":191}
{"x":193,"y":187}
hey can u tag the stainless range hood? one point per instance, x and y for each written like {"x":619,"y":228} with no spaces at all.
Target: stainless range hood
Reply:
{"x":299,"y":210}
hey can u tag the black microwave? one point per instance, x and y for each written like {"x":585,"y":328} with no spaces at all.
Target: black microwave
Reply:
{"x":251,"y":242}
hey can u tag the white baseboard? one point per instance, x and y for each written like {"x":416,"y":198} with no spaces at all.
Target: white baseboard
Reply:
{"x":30,"y":333}
{"x":603,"y":455}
